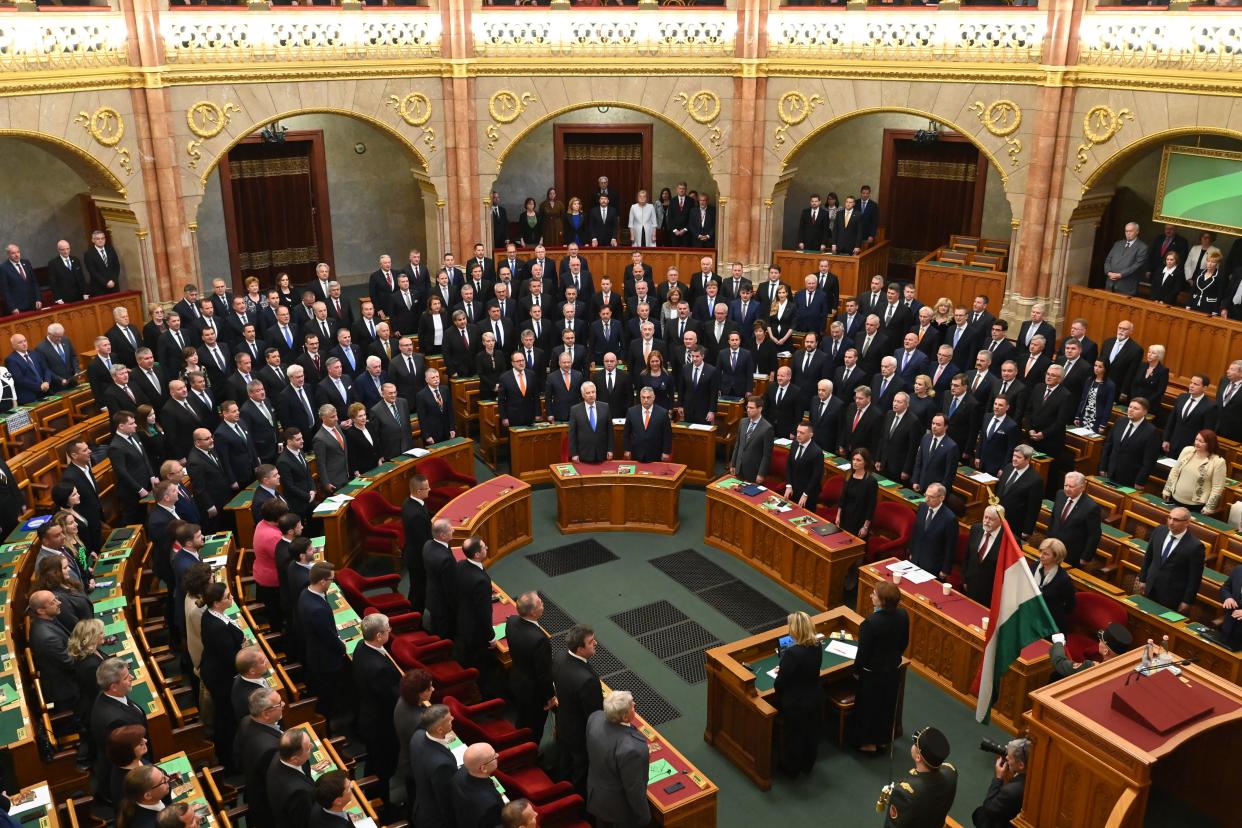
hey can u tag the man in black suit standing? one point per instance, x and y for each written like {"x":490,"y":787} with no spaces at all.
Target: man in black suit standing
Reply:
{"x":49,"y":642}
{"x":432,"y":766}
{"x":518,"y":397}
{"x":295,"y":477}
{"x":1076,"y":521}
{"x":679,"y":217}
{"x":902,"y":431}
{"x":435,"y":411}
{"x":563,"y":389}
{"x":1229,"y":403}
{"x":376,"y":682}
{"x":80,"y":474}
{"x":439,"y":568}
{"x":103,"y":265}
{"x":18,"y":282}
{"x":416,"y":521}
{"x":590,"y":429}
{"x":982,"y":552}
{"x":997,"y":438}
{"x":66,"y":275}
{"x":325,"y":652}
{"x":1192,"y":412}
{"x":783,"y":404}
{"x":473,"y":599}
{"x":814,"y":232}
{"x":935,"y":534}
{"x":530,"y":677}
{"x":214,"y":482}
{"x":1033,"y":327}
{"x":648,"y":431}
{"x":937,"y":457}
{"x":602,"y":224}
{"x":613,"y":386}
{"x":112,"y":709}
{"x":1173,"y":567}
{"x":60,"y":357}
{"x":256,"y":743}
{"x":847,"y":230}
{"x":290,"y":791}
{"x":500,"y":222}
{"x":1049,"y":410}
{"x":1122,"y":357}
{"x":391,"y":415}
{"x":697,"y":389}
{"x":235,"y":446}
{"x":1131,"y":447}
{"x":578,"y":695}
{"x":860,"y":425}
{"x":130,"y":466}
{"x":407,"y":370}
{"x":804,"y":469}
{"x":1021,"y":492}
{"x":702,"y":227}
{"x":259,"y":421}
{"x":825,"y":416}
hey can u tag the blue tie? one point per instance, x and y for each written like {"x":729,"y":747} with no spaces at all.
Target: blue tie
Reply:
{"x":953,"y":407}
{"x":591,"y":416}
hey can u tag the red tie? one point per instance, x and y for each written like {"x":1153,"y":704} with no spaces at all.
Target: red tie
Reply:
{"x":1065,"y":512}
{"x":983,"y":547}
{"x":857,"y":417}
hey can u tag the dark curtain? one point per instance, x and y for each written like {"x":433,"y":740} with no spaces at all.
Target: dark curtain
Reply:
{"x":274,"y":208}
{"x":933,"y":198}
{"x":620,"y":157}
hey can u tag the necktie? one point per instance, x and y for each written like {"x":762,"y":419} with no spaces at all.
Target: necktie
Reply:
{"x":780,"y":394}
{"x":931,"y":514}
{"x":591,"y":416}
{"x":565,"y":376}
{"x":750,"y":429}
{"x":992,"y":346}
{"x":995,"y":425}
{"x":1233,"y":386}
{"x":883,"y":388}
{"x":435,"y":392}
{"x":935,"y":443}
{"x":974,"y":386}
{"x":305,"y":402}
{"x":1069,"y":504}
{"x":60,"y":351}
{"x":647,"y":419}
{"x":128,"y":393}
{"x":857,"y":416}
{"x":1005,"y":388}
{"x":339,"y":440}
{"x":696,"y":379}
{"x":847,"y":218}
{"x":893,"y":428}
{"x":530,"y":360}
{"x":983,"y":546}
{"x":189,"y":408}
{"x":129,"y":334}
{"x":888,"y":314}
{"x":905,"y":360}
{"x":1128,"y":432}
{"x":465,"y":338}
{"x":815,"y":215}
{"x":409,"y":365}
{"x":29,"y":361}
{"x":1168,"y":547}
{"x":1190,"y":404}
{"x":103,"y":254}
{"x":806,"y":362}
{"x":609,"y":382}
{"x":953,"y":406}
{"x":1047,"y":392}
{"x":388,"y":278}
{"x":798,"y":453}
{"x":733,"y":360}
{"x":288,"y":336}
{"x":387,"y":348}
{"x":219,"y":357}
{"x":21,"y":269}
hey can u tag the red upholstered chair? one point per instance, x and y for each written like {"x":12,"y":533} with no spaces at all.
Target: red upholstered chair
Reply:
{"x":518,"y":770}
{"x":891,"y":528}
{"x":1092,"y":613}
{"x":355,"y":587}
{"x":446,"y":482}
{"x":408,"y":625}
{"x":565,"y":812}
{"x":830,"y":497}
{"x":451,"y":679}
{"x":959,"y":557}
{"x":485,"y":722}
{"x":382,"y":532}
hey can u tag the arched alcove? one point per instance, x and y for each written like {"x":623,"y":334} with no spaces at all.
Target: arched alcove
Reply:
{"x":378,"y":193}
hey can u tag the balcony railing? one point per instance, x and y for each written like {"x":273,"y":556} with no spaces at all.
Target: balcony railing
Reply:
{"x":67,"y":40}
{"x":1205,"y":39}
{"x":607,"y":31}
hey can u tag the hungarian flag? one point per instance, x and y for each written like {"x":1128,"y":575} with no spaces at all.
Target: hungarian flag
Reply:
{"x":1019,"y":617}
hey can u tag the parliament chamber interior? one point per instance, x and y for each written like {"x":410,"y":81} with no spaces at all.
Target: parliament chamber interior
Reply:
{"x":460,"y":414}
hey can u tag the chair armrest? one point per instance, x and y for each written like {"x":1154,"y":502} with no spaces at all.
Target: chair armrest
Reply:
{"x":491,"y":707}
{"x":439,"y":650}
{"x":406,"y":622}
{"x":565,"y":808}
{"x":378,"y":581}
{"x":519,"y":756}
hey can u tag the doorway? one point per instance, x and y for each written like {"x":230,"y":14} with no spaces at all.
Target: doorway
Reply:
{"x":275,"y":204}
{"x":929,"y":190}
{"x":584,"y":152}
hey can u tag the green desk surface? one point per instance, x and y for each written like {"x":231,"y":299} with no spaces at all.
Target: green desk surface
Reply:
{"x":13,"y":726}
{"x":1112,"y":531}
{"x":243,"y":498}
{"x":1152,"y":608}
{"x":1214,"y":576}
{"x":764,"y":682}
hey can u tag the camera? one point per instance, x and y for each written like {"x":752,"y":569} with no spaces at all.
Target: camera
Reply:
{"x":988,"y":746}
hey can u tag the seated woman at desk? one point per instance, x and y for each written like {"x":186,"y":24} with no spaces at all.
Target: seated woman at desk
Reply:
{"x":882,"y":640}
{"x":799,"y":697}
{"x":1198,"y":478}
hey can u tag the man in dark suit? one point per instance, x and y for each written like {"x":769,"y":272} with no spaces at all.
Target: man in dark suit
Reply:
{"x":500,"y":222}
{"x":391,"y":415}
{"x":432,"y":766}
{"x":31,"y":376}
{"x":911,"y":362}
{"x":517,"y":399}
{"x":530,"y":677}
{"x":1076,"y":370}
{"x":1033,"y":363}
{"x":804,"y":470}
{"x":602,"y":224}
{"x":648,"y":431}
{"x":902,"y":432}
{"x":809,"y":366}
{"x":607,"y":336}
{"x":59,"y":356}
{"x":112,"y":709}
{"x":325,"y":652}
{"x":435,"y":410}
{"x":614,"y":386}
{"x":1021,"y":492}
{"x":416,"y":521}
{"x":20,"y":286}
{"x":997,"y":438}
{"x":847,"y":230}
{"x":937,"y":457}
{"x":290,"y":791}
{"x":736,"y":366}
{"x":679,"y":217}
{"x":1033,"y":327}
{"x":1192,"y":412}
{"x":49,"y":641}
{"x":752,"y":451}
{"x":1131,"y":447}
{"x":234,"y":445}
{"x":179,"y":419}
{"x":895,"y":318}
{"x":860,"y":425}
{"x":131,"y":467}
{"x":148,"y":378}
{"x":849,"y":377}
{"x":475,"y":798}
{"x":440,"y":568}
{"x":1076,"y":520}
{"x":259,"y":421}
{"x":697,"y":389}
{"x":66,"y":276}
{"x":617,"y":756}
{"x":294,"y":473}
{"x":408,"y":370}
{"x":1229,"y":403}
{"x":872,"y":346}
{"x":942,"y":371}
{"x":473,"y":602}
{"x":214,"y":483}
{"x":382,"y":283}
{"x":79,"y":472}
{"x":255,"y":744}
{"x":702,"y":226}
{"x":981,"y":381}
{"x":103,"y":265}
{"x":119,"y":395}
{"x":125,"y":338}
{"x":825,"y":416}
{"x":336,"y":388}
{"x":590,"y":429}
{"x":814,"y":232}
{"x":376,"y":682}
{"x":886,"y":384}
{"x":1049,"y":410}
{"x":811,"y":306}
{"x":1169,"y":241}
{"x":982,"y":552}
{"x":934,"y":540}
{"x":1122,"y":357}
{"x":1173,"y":567}
{"x":578,"y":695}
{"x":563,"y":389}
{"x":962,"y":415}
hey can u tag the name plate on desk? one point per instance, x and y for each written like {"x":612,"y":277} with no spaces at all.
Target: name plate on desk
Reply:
{"x":17,"y":421}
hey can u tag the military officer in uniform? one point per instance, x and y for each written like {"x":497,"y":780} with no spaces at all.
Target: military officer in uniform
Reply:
{"x":1114,"y":640}
{"x":923,"y":799}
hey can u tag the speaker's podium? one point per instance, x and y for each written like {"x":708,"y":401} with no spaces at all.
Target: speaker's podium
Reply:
{"x":1103,"y":748}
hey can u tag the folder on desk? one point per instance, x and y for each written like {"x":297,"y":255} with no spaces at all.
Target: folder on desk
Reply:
{"x":751,"y":489}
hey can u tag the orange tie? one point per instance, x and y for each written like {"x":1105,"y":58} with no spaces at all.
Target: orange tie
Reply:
{"x":566,"y":376}
{"x":521,"y":378}
{"x":338,"y":437}
{"x":646,"y":418}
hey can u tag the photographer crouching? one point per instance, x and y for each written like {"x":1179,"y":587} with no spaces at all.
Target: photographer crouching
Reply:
{"x":1004,"y":798}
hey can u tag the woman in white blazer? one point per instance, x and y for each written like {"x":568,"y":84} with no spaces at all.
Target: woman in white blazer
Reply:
{"x":643,"y":222}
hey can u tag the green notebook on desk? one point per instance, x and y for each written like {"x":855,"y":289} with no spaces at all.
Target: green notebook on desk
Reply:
{"x":243,"y":498}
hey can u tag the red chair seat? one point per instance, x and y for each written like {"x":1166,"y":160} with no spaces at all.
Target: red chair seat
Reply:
{"x":829,"y":497}
{"x":446,"y":482}
{"x":565,"y":812}
{"x":382,"y":529}
{"x":483,"y":722}
{"x":449,"y":677}
{"x":519,"y":772}
{"x":891,"y":528}
{"x":1091,"y":614}
{"x":356,"y":587}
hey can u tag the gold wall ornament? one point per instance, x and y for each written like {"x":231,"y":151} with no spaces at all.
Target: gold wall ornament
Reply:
{"x":493,"y":136}
{"x":1099,"y":125}
{"x":1001,"y":118}
{"x":429,"y":138}
{"x":793,"y":108}
{"x":206,"y":120}
{"x":703,"y":106}
{"x":506,"y":107}
{"x":715,"y":136}
{"x":414,"y":108}
{"x":105,"y":125}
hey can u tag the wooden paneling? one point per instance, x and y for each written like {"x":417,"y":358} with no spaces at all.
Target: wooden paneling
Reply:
{"x":83,"y":321}
{"x":960,"y":285}
{"x":853,"y":272}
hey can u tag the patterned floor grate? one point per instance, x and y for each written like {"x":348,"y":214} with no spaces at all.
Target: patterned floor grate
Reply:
{"x":689,"y":666}
{"x":642,"y":620}
{"x":691,"y":569}
{"x":555,"y":620}
{"x":605,"y":662}
{"x":744,"y":605}
{"x":572,"y":557}
{"x":651,"y":705}
{"x":678,"y":639}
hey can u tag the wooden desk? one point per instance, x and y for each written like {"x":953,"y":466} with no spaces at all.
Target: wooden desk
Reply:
{"x":188,"y":789}
{"x":465,"y":393}
{"x":694,"y":806}
{"x":810,"y":566}
{"x":693,"y":447}
{"x":595,"y":497}
{"x":1087,"y":449}
{"x":38,"y":807}
{"x":741,"y":720}
{"x":611,"y":261}
{"x":853,"y":272}
{"x":532,"y":449}
{"x":324,"y":758}
{"x":1094,"y":766}
{"x":83,"y":321}
{"x":946,"y":644}
{"x":959,"y":283}
{"x":391,"y":481}
{"x":497,"y":510}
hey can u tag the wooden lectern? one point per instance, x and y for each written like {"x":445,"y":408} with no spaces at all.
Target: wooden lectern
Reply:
{"x":1094,"y":764}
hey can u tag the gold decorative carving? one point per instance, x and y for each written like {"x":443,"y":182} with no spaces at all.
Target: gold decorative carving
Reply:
{"x":206,"y":120}
{"x":493,"y":136}
{"x":1099,"y":125}
{"x":107,"y":127}
{"x":506,"y":107}
{"x":715,"y":136}
{"x":1001,"y":118}
{"x":703,"y":106}
{"x":414,"y":108}
{"x":793,"y":108}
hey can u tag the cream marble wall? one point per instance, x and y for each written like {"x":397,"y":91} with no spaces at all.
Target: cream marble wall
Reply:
{"x":40,"y":200}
